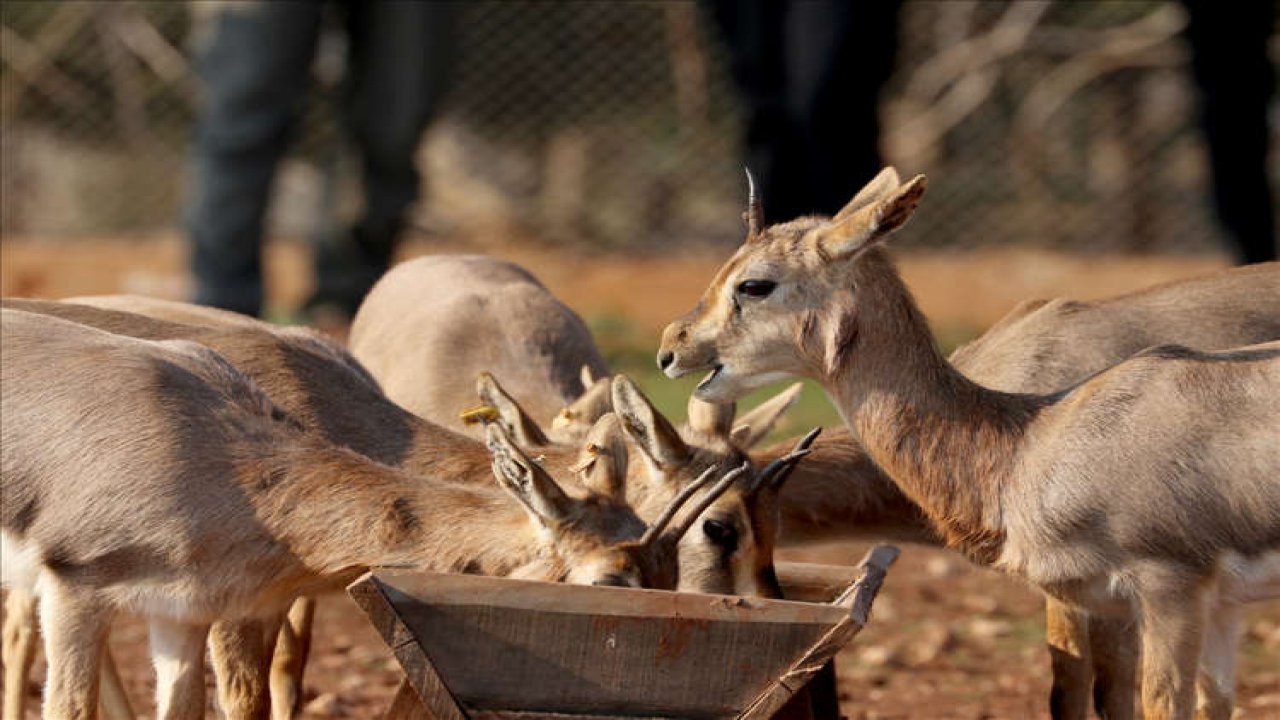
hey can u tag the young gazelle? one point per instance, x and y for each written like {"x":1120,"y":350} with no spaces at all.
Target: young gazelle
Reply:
{"x":418,"y":332}
{"x":321,"y":386}
{"x":1132,"y":489}
{"x":840,"y":494}
{"x":187,"y":496}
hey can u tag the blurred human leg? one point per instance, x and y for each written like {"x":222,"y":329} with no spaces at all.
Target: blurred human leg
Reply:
{"x":254,"y":65}
{"x":398,"y":62}
{"x":1236,"y":80}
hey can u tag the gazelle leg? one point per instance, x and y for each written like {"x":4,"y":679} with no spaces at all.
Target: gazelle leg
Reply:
{"x":177,"y":651}
{"x":1215,"y":683}
{"x":75,"y":631}
{"x":241,"y":652}
{"x":113,"y":701}
{"x":1067,"y":634}
{"x":1114,"y":643}
{"x":1173,"y":607}
{"x":21,"y":633}
{"x":290,"y":659}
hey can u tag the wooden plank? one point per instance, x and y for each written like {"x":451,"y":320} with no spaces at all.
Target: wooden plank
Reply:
{"x":871,"y":573}
{"x":434,"y":695}
{"x":813,"y":582}
{"x":858,"y":599}
{"x":406,"y":705}
{"x":798,"y":675}
{"x":544,"y":648}
{"x":476,"y":590}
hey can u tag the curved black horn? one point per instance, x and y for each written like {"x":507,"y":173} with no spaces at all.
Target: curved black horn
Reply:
{"x":660,"y":524}
{"x":678,"y":530}
{"x":776,"y":472}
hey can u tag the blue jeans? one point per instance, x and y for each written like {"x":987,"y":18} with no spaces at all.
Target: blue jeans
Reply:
{"x":255,"y":67}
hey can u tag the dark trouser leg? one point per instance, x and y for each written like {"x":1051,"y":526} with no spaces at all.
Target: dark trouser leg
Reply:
{"x":399,"y":59}
{"x":254,"y":67}
{"x":1236,"y":80}
{"x":753,"y":33}
{"x":810,"y":74}
{"x":839,"y":55}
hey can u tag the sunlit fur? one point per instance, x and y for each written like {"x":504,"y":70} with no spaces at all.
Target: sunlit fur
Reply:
{"x":169,"y":451}
{"x":838,"y":493}
{"x":319,"y":384}
{"x":1128,"y":488}
{"x":300,"y":371}
{"x":432,"y":324}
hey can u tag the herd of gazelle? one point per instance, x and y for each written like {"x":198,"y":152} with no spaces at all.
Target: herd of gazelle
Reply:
{"x":1143,"y":498}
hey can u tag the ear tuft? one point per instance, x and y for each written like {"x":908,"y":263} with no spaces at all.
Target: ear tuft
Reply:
{"x":510,"y":414}
{"x":885,"y":182}
{"x":602,"y":462}
{"x":897,"y":209}
{"x":715,"y":419}
{"x":871,"y":224}
{"x":757,"y":423}
{"x":651,"y":432}
{"x":525,"y":480}
{"x":586,"y":377}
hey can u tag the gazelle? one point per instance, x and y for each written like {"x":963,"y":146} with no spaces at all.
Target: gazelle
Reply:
{"x":320,"y":385}
{"x":433,"y":320}
{"x":839,"y":493}
{"x":187,"y":496}
{"x":1132,"y":489}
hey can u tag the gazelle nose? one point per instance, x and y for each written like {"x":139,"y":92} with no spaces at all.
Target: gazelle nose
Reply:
{"x":665,"y":359}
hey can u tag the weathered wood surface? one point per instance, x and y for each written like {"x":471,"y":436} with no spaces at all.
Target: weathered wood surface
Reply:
{"x":518,"y":649}
{"x":814,"y":582}
{"x":857,"y":599}
{"x":433,"y":695}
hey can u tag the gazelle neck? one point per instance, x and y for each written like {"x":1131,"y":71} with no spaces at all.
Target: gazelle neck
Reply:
{"x":949,"y":444}
{"x":337,"y":511}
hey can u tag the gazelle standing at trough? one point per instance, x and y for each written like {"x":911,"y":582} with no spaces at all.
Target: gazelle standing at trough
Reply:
{"x":321,"y":386}
{"x":839,"y":493}
{"x":1131,"y":489}
{"x":434,"y":320}
{"x":187,"y":496}
{"x":329,"y":393}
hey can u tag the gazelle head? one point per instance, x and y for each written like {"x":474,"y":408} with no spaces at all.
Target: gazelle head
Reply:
{"x":729,"y":548}
{"x":781,"y":306}
{"x":597,"y":540}
{"x":572,"y":423}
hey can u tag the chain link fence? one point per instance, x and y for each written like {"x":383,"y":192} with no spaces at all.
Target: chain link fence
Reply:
{"x":616,"y":125}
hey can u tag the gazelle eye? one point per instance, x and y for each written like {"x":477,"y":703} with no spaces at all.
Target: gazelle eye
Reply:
{"x":721,"y":534}
{"x":756,"y":288}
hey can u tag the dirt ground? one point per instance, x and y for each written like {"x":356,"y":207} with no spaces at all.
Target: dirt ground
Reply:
{"x":947,"y":640}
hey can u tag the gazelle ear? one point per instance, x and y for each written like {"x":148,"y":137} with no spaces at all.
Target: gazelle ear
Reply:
{"x":757,"y":423}
{"x":648,"y":429}
{"x":525,"y":479}
{"x":602,"y":461}
{"x":870,"y":224}
{"x":586,"y":410}
{"x":513,"y":417}
{"x":587,"y":377}
{"x":882,"y":184}
{"x":711,"y":418}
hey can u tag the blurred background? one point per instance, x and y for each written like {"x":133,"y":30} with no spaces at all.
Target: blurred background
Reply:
{"x":603,"y":126}
{"x":602,"y":145}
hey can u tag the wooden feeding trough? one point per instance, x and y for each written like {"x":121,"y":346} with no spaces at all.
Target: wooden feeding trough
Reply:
{"x":481,"y":647}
